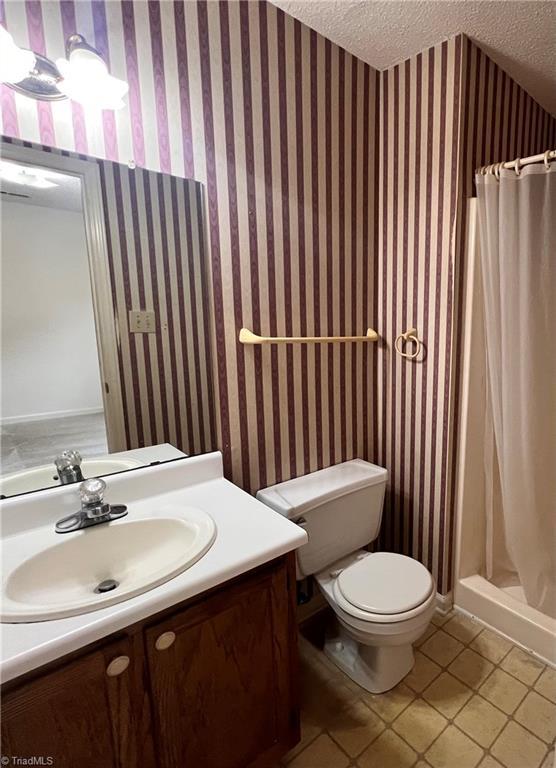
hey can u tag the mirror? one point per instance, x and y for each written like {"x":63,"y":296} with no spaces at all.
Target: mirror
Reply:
{"x":105,"y":319}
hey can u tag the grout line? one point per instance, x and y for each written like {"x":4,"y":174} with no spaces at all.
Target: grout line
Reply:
{"x":416,"y":695}
{"x":476,"y":691}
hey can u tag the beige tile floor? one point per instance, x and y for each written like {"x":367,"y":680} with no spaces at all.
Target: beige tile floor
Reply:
{"x":472,"y":699}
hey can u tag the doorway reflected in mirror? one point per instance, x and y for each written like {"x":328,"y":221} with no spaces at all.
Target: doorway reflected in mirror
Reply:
{"x":106,"y":312}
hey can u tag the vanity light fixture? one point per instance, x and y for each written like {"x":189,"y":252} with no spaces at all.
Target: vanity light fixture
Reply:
{"x":83,"y":76}
{"x":15,"y":62}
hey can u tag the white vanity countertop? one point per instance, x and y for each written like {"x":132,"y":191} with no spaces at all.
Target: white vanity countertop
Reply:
{"x":152,"y":453}
{"x":249,"y":534}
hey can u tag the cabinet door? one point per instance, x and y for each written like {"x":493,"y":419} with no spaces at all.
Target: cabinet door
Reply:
{"x":83,"y":713}
{"x":220,"y":678}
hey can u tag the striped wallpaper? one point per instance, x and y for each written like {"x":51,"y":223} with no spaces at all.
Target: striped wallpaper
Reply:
{"x":417,"y":133}
{"x":442,"y":114}
{"x":154,"y":228}
{"x":501,"y":121}
{"x":278,"y":124}
{"x":334,"y":200}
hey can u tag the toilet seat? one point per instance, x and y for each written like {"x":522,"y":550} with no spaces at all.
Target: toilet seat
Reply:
{"x":384,"y":587}
{"x":385,"y":582}
{"x":375,"y":649}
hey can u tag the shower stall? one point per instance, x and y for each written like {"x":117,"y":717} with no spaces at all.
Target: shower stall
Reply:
{"x":506,"y":498}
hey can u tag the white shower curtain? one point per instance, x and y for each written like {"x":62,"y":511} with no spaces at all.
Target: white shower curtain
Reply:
{"x":517,"y":220}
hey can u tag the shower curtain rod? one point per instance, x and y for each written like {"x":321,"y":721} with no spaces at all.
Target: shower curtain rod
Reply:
{"x":516,"y":164}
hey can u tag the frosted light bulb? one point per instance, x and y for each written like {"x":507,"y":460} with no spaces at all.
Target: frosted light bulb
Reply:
{"x":86,"y":80}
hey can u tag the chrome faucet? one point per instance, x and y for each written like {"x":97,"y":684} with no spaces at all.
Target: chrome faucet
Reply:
{"x":68,"y":467}
{"x":94,"y":510}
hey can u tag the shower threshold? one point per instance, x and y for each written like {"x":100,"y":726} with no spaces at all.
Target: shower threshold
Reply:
{"x":506,"y":612}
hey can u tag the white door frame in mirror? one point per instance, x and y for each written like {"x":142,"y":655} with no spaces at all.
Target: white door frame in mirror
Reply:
{"x":105,"y":321}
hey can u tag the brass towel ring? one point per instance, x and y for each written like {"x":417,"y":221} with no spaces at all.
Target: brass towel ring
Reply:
{"x":403,"y":338}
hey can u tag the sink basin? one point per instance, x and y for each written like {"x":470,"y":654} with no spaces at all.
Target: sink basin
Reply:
{"x":60,"y":577}
{"x":35,"y":478}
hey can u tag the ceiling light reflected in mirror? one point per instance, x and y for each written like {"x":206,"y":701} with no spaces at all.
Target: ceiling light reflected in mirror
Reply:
{"x":26,"y":176}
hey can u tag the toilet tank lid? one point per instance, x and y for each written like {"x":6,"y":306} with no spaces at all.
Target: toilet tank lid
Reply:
{"x":295,"y":497}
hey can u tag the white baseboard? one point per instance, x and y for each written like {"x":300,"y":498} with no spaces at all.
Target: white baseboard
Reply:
{"x":444,"y":603}
{"x":48,"y":415}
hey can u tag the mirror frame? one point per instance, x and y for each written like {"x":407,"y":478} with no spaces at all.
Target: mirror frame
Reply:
{"x":99,"y":277}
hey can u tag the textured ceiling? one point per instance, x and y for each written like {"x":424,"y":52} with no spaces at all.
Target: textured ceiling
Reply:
{"x":518,"y":35}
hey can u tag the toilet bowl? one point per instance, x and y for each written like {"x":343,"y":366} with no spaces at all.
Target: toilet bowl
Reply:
{"x":382,"y":602}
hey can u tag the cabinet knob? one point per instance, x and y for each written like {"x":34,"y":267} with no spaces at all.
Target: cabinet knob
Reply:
{"x":117,"y":666}
{"x":164,"y":641}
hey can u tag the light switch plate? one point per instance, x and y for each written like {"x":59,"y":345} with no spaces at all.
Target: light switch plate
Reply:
{"x":142,"y":321}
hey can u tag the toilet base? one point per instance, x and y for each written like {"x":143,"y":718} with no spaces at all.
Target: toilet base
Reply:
{"x":375,"y":668}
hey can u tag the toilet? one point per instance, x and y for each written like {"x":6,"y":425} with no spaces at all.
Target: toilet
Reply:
{"x":383,"y":602}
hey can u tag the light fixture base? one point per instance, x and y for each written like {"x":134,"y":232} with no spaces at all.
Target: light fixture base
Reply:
{"x":75,"y":42}
{"x":42,"y":82}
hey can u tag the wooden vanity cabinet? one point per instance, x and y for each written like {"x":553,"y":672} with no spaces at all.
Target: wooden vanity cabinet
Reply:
{"x":210,"y":683}
{"x":80,"y":714}
{"x":221,"y":678}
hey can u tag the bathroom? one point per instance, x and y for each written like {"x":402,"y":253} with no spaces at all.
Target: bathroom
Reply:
{"x":295,"y":343}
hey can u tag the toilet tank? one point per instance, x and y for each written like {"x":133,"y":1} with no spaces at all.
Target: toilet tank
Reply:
{"x":340,"y":508}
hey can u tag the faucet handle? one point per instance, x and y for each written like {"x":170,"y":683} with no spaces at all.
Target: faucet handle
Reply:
{"x":74,"y":456}
{"x":68,"y":459}
{"x":92,"y":491}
